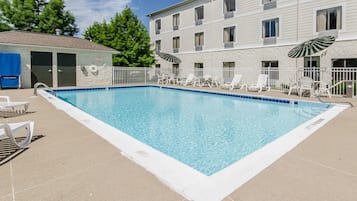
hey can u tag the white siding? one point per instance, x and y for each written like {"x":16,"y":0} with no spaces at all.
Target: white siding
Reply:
{"x":297,"y":23}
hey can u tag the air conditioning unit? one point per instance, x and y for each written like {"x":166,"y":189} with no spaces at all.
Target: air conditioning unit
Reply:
{"x":228,"y":45}
{"x":198,"y":22}
{"x":198,"y":48}
{"x":228,"y":15}
{"x":269,"y":5}
{"x":269,"y":41}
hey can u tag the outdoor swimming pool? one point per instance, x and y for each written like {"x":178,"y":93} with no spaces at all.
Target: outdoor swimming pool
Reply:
{"x":202,"y":144}
{"x":206,"y":131}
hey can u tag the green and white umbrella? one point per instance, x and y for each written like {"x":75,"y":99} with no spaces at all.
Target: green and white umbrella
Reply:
{"x":311,"y":47}
{"x":169,"y":57}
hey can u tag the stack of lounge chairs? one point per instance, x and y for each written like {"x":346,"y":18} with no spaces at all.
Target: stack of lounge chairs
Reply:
{"x":9,"y":130}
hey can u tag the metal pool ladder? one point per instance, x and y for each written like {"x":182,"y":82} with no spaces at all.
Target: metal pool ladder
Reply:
{"x":40,"y":84}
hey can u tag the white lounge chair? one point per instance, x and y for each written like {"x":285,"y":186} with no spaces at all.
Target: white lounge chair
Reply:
{"x":235,"y":83}
{"x":189,"y":80}
{"x":11,"y":108}
{"x":261,"y":84}
{"x":9,"y":130}
{"x":216,"y":81}
{"x":206,"y":81}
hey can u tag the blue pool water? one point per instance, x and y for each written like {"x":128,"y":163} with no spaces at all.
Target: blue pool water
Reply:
{"x":206,"y":131}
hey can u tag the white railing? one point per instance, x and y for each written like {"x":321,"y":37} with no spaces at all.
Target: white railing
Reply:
{"x":340,"y":81}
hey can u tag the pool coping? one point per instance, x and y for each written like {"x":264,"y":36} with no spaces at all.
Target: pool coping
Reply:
{"x":185,"y":180}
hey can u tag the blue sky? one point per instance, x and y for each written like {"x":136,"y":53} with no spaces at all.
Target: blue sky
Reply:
{"x":88,"y":11}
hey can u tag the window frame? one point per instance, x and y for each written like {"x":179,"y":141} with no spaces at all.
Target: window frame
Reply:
{"x":277,"y":29}
{"x":157,"y":45}
{"x":228,"y":70}
{"x":225,"y":6}
{"x":158,"y":26}
{"x":230,"y":32}
{"x":201,"y":35}
{"x":198,"y":69}
{"x":328,"y":22}
{"x":176,"y":21}
{"x":198,"y":20}
{"x":176,"y":43}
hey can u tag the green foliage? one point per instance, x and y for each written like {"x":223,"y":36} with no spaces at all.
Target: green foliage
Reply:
{"x":126,"y":34}
{"x":37,"y":16}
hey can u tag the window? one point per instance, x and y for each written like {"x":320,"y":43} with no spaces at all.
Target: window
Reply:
{"x":199,"y":41}
{"x":176,"y":21}
{"x":158,"y":45}
{"x":228,"y":71}
{"x":199,"y":15}
{"x":344,"y":63}
{"x":157,"y":26}
{"x":157,"y":69}
{"x":312,"y":67}
{"x":271,"y":28}
{"x":344,"y":74}
{"x":329,"y":19}
{"x":229,"y":6}
{"x":271,"y":69}
{"x":176,"y":69}
{"x":228,"y":36}
{"x":198,"y":69}
{"x":176,"y":44}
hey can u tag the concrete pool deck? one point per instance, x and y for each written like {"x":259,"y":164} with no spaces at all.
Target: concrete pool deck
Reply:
{"x":72,"y":163}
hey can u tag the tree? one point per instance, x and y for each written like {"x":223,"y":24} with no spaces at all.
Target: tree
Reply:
{"x":55,"y":17}
{"x":126,"y":34}
{"x":3,"y":24}
{"x":19,"y":13}
{"x":37,"y":16}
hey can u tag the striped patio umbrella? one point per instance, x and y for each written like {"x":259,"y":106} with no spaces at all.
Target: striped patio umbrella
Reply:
{"x":312,"y":46}
{"x":169,"y":57}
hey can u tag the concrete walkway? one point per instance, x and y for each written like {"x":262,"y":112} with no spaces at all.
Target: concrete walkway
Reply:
{"x":72,"y":163}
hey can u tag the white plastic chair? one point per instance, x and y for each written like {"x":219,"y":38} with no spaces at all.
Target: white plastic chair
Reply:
{"x":11,"y":108}
{"x":306,"y":84}
{"x":9,"y":130}
{"x":324,"y":89}
{"x":206,"y":81}
{"x":293,"y":86}
{"x":234,"y":83}
{"x":216,"y":81}
{"x":162,"y":79}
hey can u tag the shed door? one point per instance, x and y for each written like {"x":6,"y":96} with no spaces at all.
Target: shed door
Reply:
{"x":41,"y":68}
{"x":66,"y":69}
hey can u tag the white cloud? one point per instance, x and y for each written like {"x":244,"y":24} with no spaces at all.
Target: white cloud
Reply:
{"x":87,"y":12}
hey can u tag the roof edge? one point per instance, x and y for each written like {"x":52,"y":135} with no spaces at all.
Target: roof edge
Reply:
{"x":170,"y":8}
{"x":53,"y":47}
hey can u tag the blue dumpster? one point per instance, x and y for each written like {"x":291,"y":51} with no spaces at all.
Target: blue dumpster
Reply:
{"x":10,"y":70}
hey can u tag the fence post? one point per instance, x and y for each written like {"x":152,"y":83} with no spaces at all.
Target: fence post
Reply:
{"x":145,"y":74}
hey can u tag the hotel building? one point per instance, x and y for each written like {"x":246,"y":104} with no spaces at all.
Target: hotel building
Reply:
{"x":228,"y":36}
